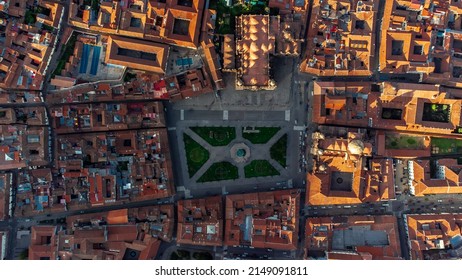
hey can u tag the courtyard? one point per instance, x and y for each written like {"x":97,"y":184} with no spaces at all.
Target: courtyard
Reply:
{"x":403,"y":141}
{"x":196,"y":155}
{"x":446,"y":146}
{"x":433,"y":112}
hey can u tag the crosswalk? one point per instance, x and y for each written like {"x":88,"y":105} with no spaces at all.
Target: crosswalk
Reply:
{"x":287,"y":115}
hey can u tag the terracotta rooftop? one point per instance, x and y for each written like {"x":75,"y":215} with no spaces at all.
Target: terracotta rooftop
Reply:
{"x":171,"y":21}
{"x":200,"y":221}
{"x":353,"y":238}
{"x":23,"y":146}
{"x":34,"y":193}
{"x":137,"y":234}
{"x":137,"y":54}
{"x":27,"y":48}
{"x":341,"y":38}
{"x":16,"y":8}
{"x":53,"y":13}
{"x":440,"y":176}
{"x":345,"y":173}
{"x":434,"y":236}
{"x":417,"y":37}
{"x":186,"y":85}
{"x":212,"y":63}
{"x":229,"y":52}
{"x":255,"y":39}
{"x":139,"y":168}
{"x":160,"y":218}
{"x":117,"y":217}
{"x":43,"y":243}
{"x":263,"y":220}
{"x":365,"y":105}
{"x":106,"y":116}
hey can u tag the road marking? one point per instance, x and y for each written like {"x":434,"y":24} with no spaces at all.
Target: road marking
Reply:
{"x":180,"y":188}
{"x":225,"y":115}
{"x":299,"y":128}
{"x":171,"y":128}
{"x":182,"y":115}
{"x":287,"y":116}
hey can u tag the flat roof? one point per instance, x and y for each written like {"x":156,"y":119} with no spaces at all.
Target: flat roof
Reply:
{"x":358,"y":236}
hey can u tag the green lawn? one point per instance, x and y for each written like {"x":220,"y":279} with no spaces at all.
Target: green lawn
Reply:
{"x":30,"y":17}
{"x":220,"y":171}
{"x":196,"y":155}
{"x":225,"y":23}
{"x":216,"y":136}
{"x":66,"y":52}
{"x":446,"y":146}
{"x":278,"y":151}
{"x":263,"y":135}
{"x":259,"y":168}
{"x":433,"y":112}
{"x":402,"y":141}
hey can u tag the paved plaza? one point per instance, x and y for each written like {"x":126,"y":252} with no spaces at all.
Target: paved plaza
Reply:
{"x":223,"y":153}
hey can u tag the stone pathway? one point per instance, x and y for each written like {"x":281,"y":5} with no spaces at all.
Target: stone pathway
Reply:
{"x":222,"y":153}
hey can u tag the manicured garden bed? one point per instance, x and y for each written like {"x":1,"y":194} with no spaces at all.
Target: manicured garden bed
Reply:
{"x":403,"y":141}
{"x":446,"y":146}
{"x":216,"y":136}
{"x":220,"y":171}
{"x":260,"y":168}
{"x":278,"y":151}
{"x":262,"y":136}
{"x":196,"y":155}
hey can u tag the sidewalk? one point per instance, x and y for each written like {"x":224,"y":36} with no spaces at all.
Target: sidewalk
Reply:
{"x":222,"y":153}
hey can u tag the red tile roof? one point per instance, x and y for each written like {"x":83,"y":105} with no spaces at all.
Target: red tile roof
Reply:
{"x":325,"y":234}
